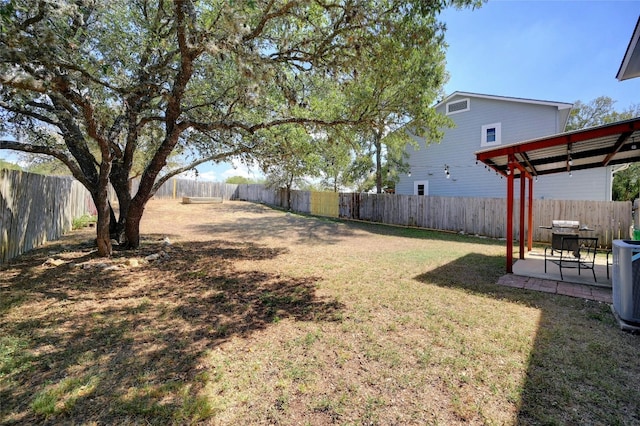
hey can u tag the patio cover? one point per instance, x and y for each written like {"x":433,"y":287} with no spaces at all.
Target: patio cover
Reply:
{"x":606,"y":145}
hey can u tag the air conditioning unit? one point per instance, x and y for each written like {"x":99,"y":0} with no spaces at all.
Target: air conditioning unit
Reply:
{"x":625,"y":281}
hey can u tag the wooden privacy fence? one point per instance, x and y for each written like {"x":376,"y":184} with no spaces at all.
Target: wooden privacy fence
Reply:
{"x":325,"y":204}
{"x":36,"y":208}
{"x":177,"y":188}
{"x":476,"y":216}
{"x":481,"y":216}
{"x":609,"y":220}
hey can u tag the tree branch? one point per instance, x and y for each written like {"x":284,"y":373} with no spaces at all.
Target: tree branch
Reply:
{"x":28,"y":113}
{"x":215,"y":157}
{"x":47,"y":150}
{"x":231,"y":125}
{"x":38,"y":17}
{"x":23,"y":82}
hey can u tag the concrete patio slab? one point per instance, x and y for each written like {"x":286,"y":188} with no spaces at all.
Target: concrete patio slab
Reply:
{"x":529,"y":274}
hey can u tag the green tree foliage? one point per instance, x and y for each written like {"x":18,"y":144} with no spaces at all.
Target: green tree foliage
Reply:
{"x":44,"y":165}
{"x":8,"y":165}
{"x":288,"y":157}
{"x":597,"y":112}
{"x":103,"y":86}
{"x":239,"y":180}
{"x":362,"y":172}
{"x":400,"y":88}
{"x":335,"y":149}
{"x":626,"y":182}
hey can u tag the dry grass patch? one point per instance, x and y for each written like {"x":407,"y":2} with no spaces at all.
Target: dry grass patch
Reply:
{"x":256,"y":316}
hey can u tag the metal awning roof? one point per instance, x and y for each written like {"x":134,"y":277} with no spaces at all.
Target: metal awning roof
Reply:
{"x":601,"y":146}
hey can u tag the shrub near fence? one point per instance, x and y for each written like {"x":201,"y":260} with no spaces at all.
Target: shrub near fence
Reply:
{"x":36,"y":208}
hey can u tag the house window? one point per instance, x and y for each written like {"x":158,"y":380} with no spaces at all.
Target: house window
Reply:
{"x":458,"y":106}
{"x":491,"y":134}
{"x":421,"y":187}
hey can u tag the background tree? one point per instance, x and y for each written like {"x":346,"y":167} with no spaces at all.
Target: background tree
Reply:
{"x":336,"y":156}
{"x":288,"y":159}
{"x":400,"y":88}
{"x":597,"y":112}
{"x":8,"y":165}
{"x":102,"y":86}
{"x":362,"y":172}
{"x":239,"y":180}
{"x":626,"y":182}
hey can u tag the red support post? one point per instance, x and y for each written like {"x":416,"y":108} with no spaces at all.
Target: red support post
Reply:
{"x":522,"y":209}
{"x":530,"y":217}
{"x":510,"y":216}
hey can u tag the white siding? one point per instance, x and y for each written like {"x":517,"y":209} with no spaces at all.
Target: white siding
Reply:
{"x":519,"y":122}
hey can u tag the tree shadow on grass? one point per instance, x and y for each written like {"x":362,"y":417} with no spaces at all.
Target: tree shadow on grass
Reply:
{"x":127,"y":345}
{"x":308,"y":229}
{"x":303,"y":229}
{"x":582,"y":368}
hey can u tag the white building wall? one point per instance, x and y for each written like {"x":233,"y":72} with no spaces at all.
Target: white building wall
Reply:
{"x":591,"y":185}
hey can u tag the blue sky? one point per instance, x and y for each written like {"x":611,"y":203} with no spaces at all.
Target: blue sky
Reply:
{"x":549,"y":50}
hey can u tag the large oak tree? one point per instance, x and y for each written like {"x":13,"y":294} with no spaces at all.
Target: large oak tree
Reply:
{"x":103,"y":85}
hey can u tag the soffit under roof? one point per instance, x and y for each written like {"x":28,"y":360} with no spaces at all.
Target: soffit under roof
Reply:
{"x":630,"y":66}
{"x":607,"y":145}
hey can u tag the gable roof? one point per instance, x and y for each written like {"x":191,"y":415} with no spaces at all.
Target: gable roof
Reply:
{"x":630,"y":66}
{"x":559,"y":105}
{"x":564,"y":108}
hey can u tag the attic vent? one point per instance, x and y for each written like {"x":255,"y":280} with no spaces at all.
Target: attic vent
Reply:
{"x":458,"y":106}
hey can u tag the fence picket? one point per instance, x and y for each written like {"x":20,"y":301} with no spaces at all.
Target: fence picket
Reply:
{"x":35,"y":209}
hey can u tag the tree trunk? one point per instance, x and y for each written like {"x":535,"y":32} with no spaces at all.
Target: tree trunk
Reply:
{"x":103,"y":237}
{"x":122,"y":187}
{"x":289,"y":185}
{"x":132,"y":225}
{"x":113,"y":223}
{"x":378,"y":145}
{"x":101,"y":199}
{"x":288,"y":195}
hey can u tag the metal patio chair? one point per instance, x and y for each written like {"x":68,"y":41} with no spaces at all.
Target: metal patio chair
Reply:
{"x":576,"y":253}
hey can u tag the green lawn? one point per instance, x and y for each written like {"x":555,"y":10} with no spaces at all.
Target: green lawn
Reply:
{"x":260,"y":317}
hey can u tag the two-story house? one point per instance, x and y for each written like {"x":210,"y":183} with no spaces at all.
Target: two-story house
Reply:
{"x":449,"y":168}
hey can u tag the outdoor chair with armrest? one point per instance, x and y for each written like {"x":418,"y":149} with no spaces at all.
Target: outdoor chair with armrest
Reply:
{"x":576,"y":253}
